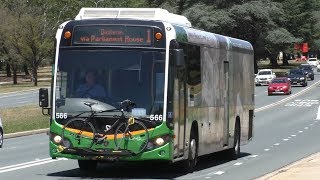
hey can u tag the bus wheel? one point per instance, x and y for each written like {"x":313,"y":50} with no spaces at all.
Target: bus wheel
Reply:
{"x":87,"y":165}
{"x":234,"y":152}
{"x":191,"y":162}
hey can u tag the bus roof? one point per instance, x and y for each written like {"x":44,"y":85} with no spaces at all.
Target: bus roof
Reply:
{"x":133,"y":13}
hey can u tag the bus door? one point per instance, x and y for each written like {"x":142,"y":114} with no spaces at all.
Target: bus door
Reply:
{"x":226,"y":103}
{"x":179,"y":107}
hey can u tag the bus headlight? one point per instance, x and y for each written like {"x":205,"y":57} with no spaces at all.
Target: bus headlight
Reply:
{"x":57,"y":139}
{"x":159,"y":141}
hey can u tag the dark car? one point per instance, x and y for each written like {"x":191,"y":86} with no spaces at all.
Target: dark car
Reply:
{"x":308,"y":70}
{"x":297,"y":76}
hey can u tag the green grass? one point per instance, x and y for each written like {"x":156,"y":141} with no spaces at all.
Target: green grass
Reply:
{"x":23,"y":118}
{"x":281,"y":70}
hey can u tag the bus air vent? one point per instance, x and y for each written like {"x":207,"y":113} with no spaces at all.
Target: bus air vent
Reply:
{"x":133,"y":13}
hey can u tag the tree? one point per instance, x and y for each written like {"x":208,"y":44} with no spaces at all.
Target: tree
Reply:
{"x":27,"y":36}
{"x":301,"y":20}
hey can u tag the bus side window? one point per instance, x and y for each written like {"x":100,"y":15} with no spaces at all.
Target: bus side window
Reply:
{"x":194,"y":74}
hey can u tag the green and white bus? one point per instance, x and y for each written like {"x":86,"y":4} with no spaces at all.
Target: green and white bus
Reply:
{"x":190,"y":91}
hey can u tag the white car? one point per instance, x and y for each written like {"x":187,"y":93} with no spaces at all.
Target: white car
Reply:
{"x":264,"y":76}
{"x":313,"y":62}
{"x":318,"y":68}
{"x":1,"y":133}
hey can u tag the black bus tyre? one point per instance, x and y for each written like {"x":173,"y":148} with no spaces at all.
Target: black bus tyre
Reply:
{"x":234,"y":152}
{"x":190,"y":163}
{"x":87,"y":165}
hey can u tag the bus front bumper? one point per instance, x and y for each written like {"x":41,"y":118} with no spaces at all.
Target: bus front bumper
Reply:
{"x":160,"y":153}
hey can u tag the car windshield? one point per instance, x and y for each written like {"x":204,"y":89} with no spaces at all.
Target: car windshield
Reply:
{"x":116,"y":75}
{"x":296,"y":71}
{"x":277,"y":81}
{"x":264,"y":73}
{"x":305,"y":67}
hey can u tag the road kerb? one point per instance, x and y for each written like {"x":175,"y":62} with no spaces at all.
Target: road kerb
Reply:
{"x":25,"y":133}
{"x":287,"y":167}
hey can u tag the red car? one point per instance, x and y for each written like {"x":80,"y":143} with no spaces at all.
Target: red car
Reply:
{"x":280,"y":85}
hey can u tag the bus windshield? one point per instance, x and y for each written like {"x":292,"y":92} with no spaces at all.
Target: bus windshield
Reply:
{"x":108,"y":77}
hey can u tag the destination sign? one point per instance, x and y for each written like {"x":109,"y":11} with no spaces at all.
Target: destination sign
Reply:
{"x":112,"y":35}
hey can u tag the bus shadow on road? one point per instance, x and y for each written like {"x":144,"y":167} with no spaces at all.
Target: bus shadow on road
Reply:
{"x":144,"y":170}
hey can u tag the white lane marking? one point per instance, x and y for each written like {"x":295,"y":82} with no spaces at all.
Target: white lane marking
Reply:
{"x":276,"y":144}
{"x":318,"y":113}
{"x":285,"y":139}
{"x":311,"y":124}
{"x":293,"y":135}
{"x":306,"y":127}
{"x":6,"y":167}
{"x":28,"y":164}
{"x":253,"y":156}
{"x":218,"y":172}
{"x":207,"y":177}
{"x":266,"y":149}
{"x":300,"y":131}
{"x":238,"y":164}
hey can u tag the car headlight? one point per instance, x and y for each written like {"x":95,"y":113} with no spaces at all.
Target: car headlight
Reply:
{"x":302,"y":78}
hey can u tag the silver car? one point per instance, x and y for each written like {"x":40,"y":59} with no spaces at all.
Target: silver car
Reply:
{"x":1,"y":133}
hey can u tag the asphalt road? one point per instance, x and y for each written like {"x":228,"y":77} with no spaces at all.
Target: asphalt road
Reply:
{"x":21,"y":98}
{"x":283,"y":133}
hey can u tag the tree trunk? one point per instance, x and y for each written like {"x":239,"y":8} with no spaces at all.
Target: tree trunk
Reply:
{"x":35,"y":76}
{"x":25,"y":69}
{"x":14,"y":70}
{"x":285,"y":59}
{"x":8,"y":70}
{"x":273,"y":60}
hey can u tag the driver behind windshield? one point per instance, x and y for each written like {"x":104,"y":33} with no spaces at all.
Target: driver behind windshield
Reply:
{"x":90,"y":89}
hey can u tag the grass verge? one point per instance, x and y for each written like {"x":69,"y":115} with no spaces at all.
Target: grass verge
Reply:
{"x":24,"y":118}
{"x":281,"y":70}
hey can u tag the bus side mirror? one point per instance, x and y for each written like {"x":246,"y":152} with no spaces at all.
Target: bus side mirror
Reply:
{"x":43,"y":97}
{"x":178,"y":57}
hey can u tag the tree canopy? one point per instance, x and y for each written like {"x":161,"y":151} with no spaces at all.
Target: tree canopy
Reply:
{"x":28,"y":27}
